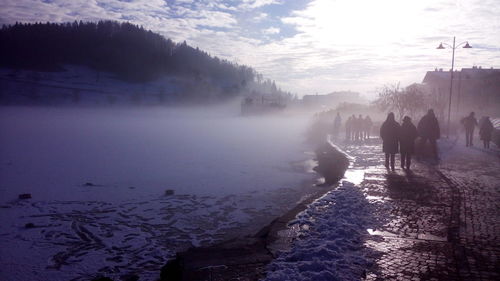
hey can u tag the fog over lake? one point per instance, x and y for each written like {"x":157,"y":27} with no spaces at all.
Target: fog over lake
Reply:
{"x":105,"y":172}
{"x":202,"y":151}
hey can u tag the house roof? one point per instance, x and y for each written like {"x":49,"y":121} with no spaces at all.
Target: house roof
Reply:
{"x":466,"y":73}
{"x":480,"y":73}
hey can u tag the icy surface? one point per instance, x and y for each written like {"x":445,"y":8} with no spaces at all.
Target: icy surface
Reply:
{"x":98,"y":179}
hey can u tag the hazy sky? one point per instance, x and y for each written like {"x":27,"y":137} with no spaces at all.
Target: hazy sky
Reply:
{"x":306,"y":46}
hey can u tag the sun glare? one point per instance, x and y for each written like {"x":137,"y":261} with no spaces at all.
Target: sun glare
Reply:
{"x":361,"y":22}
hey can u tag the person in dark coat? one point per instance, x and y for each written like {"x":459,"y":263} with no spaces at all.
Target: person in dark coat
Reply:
{"x":485,"y":132}
{"x":348,"y":128}
{"x":336,"y":125}
{"x":389,"y":132}
{"x":368,"y":126}
{"x":354,"y":123}
{"x":428,"y":130}
{"x":469,"y":123}
{"x":361,"y":127}
{"x":407,"y":136}
{"x":355,"y":128}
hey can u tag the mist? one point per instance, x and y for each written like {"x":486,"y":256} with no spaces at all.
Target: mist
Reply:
{"x":191,"y":176}
{"x":188,"y":150}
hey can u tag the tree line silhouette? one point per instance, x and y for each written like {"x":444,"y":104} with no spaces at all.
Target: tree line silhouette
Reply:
{"x":129,"y":51}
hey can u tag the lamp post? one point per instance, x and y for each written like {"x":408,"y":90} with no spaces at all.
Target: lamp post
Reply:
{"x":467,"y":46}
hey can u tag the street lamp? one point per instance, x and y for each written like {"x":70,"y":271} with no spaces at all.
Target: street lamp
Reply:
{"x":467,"y":46}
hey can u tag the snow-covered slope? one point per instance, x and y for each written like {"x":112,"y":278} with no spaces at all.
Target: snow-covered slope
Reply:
{"x":79,"y":85}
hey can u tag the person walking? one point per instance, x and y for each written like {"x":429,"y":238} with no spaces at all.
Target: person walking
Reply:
{"x":361,"y":127}
{"x":368,"y":126}
{"x":389,"y":132}
{"x":428,"y":130}
{"x":348,"y":128}
{"x":469,"y":123}
{"x":354,"y":125}
{"x":407,"y":136}
{"x":485,"y":132}
{"x":355,"y":128}
{"x":336,"y":125}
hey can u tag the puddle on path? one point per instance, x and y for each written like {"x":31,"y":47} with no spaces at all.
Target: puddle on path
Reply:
{"x":354,"y":176}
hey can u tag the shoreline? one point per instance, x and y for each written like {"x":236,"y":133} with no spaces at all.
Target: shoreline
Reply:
{"x":248,"y":257}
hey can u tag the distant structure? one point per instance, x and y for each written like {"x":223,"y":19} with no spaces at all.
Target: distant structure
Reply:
{"x":332,"y":99}
{"x":262,"y":104}
{"x":474,"y":89}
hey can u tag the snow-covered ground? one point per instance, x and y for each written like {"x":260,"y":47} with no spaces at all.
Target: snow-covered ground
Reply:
{"x":330,"y":245}
{"x":332,"y":230}
{"x":98,"y":179}
{"x":82,"y":86}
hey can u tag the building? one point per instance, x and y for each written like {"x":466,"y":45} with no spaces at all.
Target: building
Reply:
{"x":474,"y":89}
{"x":332,"y":100}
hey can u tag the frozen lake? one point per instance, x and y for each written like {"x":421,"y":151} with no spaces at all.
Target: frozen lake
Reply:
{"x":98,"y":179}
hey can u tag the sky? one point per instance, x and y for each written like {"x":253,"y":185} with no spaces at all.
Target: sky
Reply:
{"x":306,"y":46}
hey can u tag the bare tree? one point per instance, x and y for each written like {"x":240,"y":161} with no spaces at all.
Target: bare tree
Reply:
{"x":403,"y":101}
{"x":389,"y":99}
{"x":414,"y":100}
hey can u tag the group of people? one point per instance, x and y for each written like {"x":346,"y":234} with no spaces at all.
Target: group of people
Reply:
{"x":401,"y":139}
{"x":485,"y":129}
{"x":356,"y":128}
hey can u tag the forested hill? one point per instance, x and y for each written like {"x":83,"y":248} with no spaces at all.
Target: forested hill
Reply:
{"x":128,"y":51}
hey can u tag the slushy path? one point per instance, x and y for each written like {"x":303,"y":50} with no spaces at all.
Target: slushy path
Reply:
{"x":437,"y":222}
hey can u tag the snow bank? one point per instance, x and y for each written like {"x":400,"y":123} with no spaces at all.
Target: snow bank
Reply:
{"x":330,"y":245}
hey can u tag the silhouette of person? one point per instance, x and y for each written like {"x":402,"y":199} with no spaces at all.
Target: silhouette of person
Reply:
{"x":348,"y":128}
{"x":336,"y":125}
{"x":361,"y":127}
{"x":368,"y":126}
{"x":407,"y":136}
{"x":485,"y":132}
{"x":428,"y":130}
{"x":469,"y":123}
{"x":355,"y":125}
{"x":389,"y":132}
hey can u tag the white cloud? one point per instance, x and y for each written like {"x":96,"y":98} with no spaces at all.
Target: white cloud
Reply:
{"x":260,"y":17}
{"x":271,"y":30}
{"x":252,"y":4}
{"x":359,"y":44}
{"x":342,"y":44}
